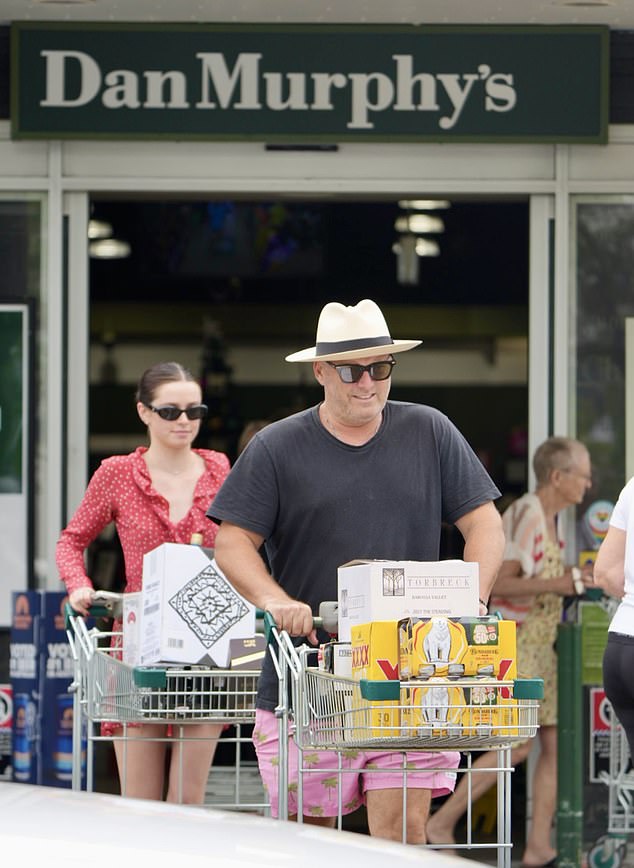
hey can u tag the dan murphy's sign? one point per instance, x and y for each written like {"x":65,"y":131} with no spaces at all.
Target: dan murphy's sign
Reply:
{"x":310,"y":83}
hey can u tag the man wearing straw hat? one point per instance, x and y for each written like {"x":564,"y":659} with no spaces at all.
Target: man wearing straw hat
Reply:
{"x":357,"y":476}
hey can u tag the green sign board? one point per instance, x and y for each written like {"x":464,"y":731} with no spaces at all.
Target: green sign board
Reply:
{"x":15,"y":470}
{"x":318,"y":84}
{"x":12,"y":393}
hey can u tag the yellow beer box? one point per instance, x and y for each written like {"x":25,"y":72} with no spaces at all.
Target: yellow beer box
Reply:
{"x":432,"y":708}
{"x":375,"y":658}
{"x":457,"y":647}
{"x":441,"y":707}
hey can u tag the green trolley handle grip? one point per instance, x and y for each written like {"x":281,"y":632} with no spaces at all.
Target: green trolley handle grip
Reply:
{"x":95,"y":612}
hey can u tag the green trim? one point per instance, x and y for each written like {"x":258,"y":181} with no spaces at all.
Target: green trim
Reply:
{"x":380,"y":690}
{"x":528,"y":688}
{"x":146,"y":677}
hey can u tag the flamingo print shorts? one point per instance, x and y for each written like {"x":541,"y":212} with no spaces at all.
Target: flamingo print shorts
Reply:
{"x":360,"y":771}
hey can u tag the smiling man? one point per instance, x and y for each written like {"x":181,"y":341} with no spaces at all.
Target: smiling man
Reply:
{"x":356,"y":476}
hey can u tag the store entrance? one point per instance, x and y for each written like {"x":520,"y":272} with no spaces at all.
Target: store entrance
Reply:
{"x":229,"y":287}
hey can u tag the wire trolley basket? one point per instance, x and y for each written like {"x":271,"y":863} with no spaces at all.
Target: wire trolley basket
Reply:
{"x":334,"y":713}
{"x":327,"y":712}
{"x":108,"y":690}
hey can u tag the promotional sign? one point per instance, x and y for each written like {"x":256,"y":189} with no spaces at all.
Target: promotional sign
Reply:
{"x":6,"y":727}
{"x":280,"y":82}
{"x":599,"y":757}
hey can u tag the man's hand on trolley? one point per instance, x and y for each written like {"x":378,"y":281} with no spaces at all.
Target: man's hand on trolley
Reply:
{"x":294,"y":617}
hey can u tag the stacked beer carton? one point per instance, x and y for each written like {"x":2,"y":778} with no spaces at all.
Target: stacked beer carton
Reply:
{"x":42,"y":670}
{"x":417,"y":623}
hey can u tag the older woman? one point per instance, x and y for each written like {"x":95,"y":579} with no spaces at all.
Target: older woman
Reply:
{"x":529,"y":589}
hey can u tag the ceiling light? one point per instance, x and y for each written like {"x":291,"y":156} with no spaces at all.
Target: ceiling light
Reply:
{"x":427,"y":247}
{"x":99,"y":229}
{"x":419,"y":246}
{"x":109,"y":248}
{"x":419,"y":223}
{"x":424,"y":204}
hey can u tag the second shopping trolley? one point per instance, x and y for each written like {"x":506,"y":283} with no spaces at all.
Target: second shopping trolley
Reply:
{"x":107,"y":690}
{"x":322,"y":711}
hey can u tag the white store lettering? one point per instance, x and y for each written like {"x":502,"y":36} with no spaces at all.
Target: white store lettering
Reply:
{"x":244,"y":87}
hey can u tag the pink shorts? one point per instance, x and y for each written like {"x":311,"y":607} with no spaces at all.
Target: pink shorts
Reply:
{"x":322,"y":781}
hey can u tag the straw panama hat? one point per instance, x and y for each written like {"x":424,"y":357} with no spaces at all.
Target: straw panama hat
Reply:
{"x":351,"y":332}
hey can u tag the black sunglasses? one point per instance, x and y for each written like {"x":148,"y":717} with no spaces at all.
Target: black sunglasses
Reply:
{"x":171,"y":413}
{"x":353,"y":373}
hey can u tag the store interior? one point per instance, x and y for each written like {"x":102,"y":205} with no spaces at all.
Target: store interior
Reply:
{"x":230,"y":286}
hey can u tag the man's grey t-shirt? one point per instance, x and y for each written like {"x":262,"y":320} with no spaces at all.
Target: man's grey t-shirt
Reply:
{"x":319,"y":502}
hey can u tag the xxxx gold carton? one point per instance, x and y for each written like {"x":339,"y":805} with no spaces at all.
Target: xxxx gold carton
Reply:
{"x":375,"y":658}
{"x":457,"y":646}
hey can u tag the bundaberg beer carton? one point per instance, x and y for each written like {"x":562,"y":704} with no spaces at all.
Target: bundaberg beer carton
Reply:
{"x":457,"y":646}
{"x":436,"y":651}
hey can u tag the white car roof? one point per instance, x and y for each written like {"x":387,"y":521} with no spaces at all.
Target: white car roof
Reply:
{"x":60,"y":828}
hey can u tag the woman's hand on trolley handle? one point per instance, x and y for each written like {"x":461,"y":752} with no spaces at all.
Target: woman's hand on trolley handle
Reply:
{"x":81,"y":600}
{"x":293,"y":616}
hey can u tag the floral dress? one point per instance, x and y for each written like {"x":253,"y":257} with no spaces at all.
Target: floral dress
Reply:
{"x":536,"y":655}
{"x":537,"y":617}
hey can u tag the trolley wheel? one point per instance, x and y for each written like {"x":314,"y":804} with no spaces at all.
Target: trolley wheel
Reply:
{"x":608,"y":852}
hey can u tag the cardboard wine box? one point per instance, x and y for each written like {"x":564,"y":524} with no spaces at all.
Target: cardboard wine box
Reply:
{"x":190,"y":611}
{"x":370,"y":590}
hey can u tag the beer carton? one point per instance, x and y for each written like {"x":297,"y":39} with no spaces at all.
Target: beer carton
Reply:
{"x":434,"y":652}
{"x":374,"y":590}
{"x":458,"y":647}
{"x":375,"y":658}
{"x":441,"y":707}
{"x":56,"y":701}
{"x":42,"y":670}
{"x":432,"y":708}
{"x":25,"y":666}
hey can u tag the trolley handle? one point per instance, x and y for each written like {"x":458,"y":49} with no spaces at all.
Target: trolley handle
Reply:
{"x":268,"y":625}
{"x":95,"y":611}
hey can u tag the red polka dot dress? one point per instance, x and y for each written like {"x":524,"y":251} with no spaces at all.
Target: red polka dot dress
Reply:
{"x":121,"y":491}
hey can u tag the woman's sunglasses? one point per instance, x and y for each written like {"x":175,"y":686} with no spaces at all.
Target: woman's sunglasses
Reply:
{"x":353,"y":373}
{"x":171,"y":413}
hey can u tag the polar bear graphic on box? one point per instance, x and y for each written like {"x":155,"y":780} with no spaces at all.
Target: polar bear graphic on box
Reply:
{"x":435,"y":704}
{"x":437,"y":642}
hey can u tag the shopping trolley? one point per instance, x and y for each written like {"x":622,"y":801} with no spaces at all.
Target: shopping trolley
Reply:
{"x":107,"y":690}
{"x":610,"y":850}
{"x":323,"y":711}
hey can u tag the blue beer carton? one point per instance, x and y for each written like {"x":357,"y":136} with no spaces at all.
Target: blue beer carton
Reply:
{"x":25,"y":669}
{"x":56,"y":702}
{"x":42,"y":672}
